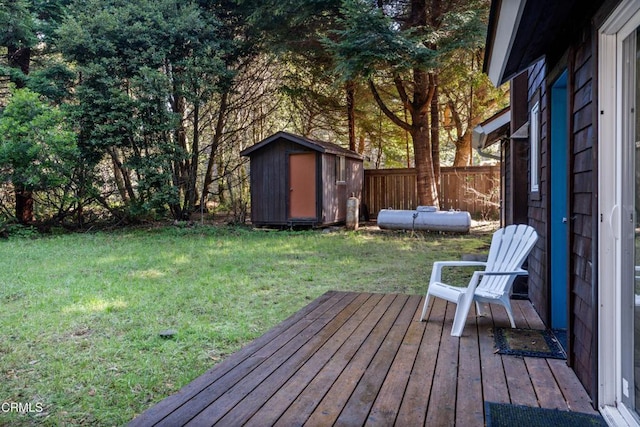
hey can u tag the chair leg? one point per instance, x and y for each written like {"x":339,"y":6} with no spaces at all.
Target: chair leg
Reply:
{"x":424,"y":308}
{"x":460,"y":317}
{"x":507,"y":306}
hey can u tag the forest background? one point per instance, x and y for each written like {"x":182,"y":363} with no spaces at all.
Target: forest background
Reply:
{"x":115,"y":111}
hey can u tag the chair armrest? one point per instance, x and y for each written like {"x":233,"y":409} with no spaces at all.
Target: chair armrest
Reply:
{"x":436,"y":272}
{"x":503,"y":273}
{"x":461,"y":263}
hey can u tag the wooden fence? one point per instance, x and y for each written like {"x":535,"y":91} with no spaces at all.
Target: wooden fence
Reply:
{"x":475,"y":189}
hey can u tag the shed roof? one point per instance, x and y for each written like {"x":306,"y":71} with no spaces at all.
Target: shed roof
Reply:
{"x":320,"y":146}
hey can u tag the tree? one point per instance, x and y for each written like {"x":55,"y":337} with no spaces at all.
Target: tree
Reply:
{"x":467,"y":98}
{"x":23,"y":26}
{"x":17,"y":35}
{"x":37,"y":149}
{"x":148,"y":68}
{"x":294,"y":31}
{"x":406,"y":43}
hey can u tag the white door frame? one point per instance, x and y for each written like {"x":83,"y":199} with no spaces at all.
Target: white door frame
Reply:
{"x":611,"y":386}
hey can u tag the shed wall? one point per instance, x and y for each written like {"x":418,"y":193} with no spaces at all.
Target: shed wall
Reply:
{"x":335,"y":194}
{"x":270,"y":185}
{"x":269,"y":182}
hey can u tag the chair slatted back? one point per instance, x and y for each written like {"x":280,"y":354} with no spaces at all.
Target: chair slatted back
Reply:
{"x":510,"y":246}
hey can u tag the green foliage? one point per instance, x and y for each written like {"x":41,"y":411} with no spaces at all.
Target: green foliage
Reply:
{"x":129,"y":36}
{"x":372,"y":38}
{"x":147,"y":68}
{"x":17,"y":24}
{"x":37,"y":150}
{"x":18,"y":231}
{"x":369,"y":41}
{"x":54,"y":81}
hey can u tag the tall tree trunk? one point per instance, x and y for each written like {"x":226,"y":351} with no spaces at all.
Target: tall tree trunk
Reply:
{"x":435,"y":130}
{"x":463,"y":142}
{"x":424,"y":87}
{"x":191,"y":192}
{"x":463,"y":150}
{"x":20,"y":58}
{"x":121,"y":174}
{"x":419,"y":107}
{"x":351,"y":113}
{"x":361,"y":142}
{"x":423,"y":93}
{"x":24,"y":204}
{"x":421,"y":134}
{"x":180,"y":162}
{"x":217,"y":137}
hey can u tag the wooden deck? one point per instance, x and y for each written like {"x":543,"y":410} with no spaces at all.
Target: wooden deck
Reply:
{"x":364,"y":359}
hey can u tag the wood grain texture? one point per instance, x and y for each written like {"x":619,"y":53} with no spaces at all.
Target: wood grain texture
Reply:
{"x":366,"y":359}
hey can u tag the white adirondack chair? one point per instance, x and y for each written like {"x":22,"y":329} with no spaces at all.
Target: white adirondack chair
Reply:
{"x":510,"y":247}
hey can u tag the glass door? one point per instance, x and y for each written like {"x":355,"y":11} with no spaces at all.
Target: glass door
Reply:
{"x":618,"y":248}
{"x":630,"y":228}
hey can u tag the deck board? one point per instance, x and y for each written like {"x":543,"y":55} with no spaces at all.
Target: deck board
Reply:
{"x":469,"y":409}
{"x":366,"y":359}
{"x":245,"y":401}
{"x":413,"y":408}
{"x":339,"y":396}
{"x":271,"y":409}
{"x":442,"y":402}
{"x":387,"y":404}
{"x":547,"y":390}
{"x":358,"y":407}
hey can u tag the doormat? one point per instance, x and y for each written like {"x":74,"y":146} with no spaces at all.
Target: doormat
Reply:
{"x":561,"y":335}
{"x":505,"y":415}
{"x":528,"y":342}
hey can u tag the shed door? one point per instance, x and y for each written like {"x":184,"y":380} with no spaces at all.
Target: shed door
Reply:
{"x":302,"y":185}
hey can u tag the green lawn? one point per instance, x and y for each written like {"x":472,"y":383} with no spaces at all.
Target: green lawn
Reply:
{"x":81,"y":314}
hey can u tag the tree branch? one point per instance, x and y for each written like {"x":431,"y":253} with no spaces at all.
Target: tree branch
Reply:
{"x":457,"y":120}
{"x":433,"y":84}
{"x":392,"y":116}
{"x":402,"y":92}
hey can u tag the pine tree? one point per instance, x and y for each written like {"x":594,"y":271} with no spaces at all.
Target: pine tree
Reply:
{"x":406,"y":43}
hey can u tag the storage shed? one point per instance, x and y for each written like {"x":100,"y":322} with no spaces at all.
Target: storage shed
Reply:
{"x":300,"y":181}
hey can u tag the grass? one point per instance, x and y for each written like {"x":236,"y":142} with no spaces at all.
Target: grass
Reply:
{"x":81,"y":314}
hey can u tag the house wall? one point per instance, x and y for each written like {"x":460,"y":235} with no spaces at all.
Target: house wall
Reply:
{"x":582,"y":298}
{"x":537,"y":212}
{"x":581,"y":64}
{"x":517,"y":156}
{"x":506,"y":201}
